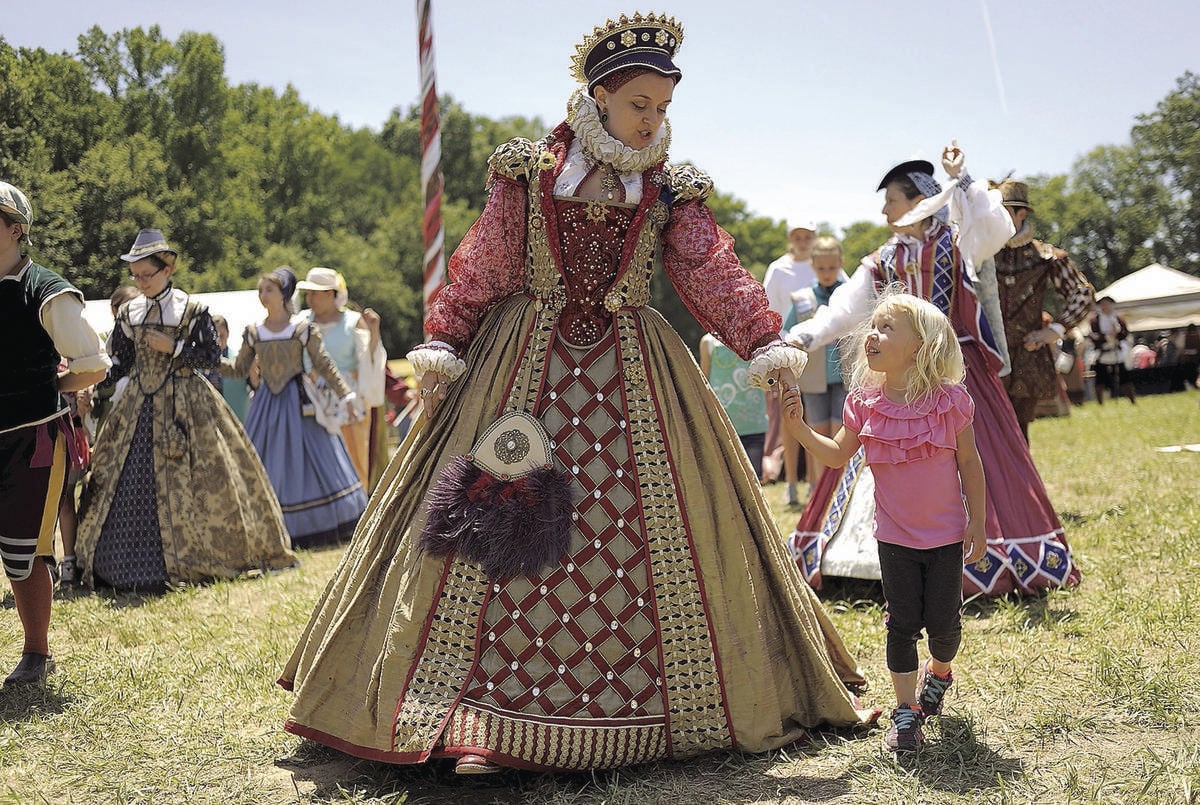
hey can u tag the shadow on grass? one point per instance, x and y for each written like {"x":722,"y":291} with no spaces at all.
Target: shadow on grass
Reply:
{"x":953,"y":760}
{"x":24,"y":702}
{"x":851,"y":593}
{"x":956,"y":761}
{"x":730,"y":777}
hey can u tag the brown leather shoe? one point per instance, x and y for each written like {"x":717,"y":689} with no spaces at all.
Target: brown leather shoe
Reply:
{"x":31,"y":670}
{"x":475,"y":764}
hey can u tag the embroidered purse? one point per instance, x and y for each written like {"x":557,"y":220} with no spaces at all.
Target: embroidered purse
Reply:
{"x":503,"y":505}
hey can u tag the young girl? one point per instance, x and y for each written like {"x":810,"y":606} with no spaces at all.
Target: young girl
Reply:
{"x":908,"y":409}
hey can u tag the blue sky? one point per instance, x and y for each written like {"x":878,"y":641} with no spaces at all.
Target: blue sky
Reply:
{"x":793,"y":107}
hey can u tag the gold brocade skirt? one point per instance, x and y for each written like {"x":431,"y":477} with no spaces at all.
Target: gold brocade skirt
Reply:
{"x":676,"y":623}
{"x":217,"y":515}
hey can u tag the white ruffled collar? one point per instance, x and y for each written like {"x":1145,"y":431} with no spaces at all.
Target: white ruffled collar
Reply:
{"x":601,"y":146}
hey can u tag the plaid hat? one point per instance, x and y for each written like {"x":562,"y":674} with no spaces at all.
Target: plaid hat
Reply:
{"x":15,"y":203}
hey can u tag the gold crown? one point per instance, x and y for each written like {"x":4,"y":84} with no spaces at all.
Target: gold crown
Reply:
{"x":669,"y":37}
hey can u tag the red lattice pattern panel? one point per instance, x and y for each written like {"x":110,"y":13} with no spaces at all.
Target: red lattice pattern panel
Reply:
{"x":580,"y":641}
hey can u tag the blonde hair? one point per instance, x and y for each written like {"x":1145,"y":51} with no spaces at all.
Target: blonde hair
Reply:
{"x":826,"y":244}
{"x":938,"y":362}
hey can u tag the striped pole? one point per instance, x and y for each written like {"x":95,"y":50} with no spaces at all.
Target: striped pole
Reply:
{"x":431,"y":158}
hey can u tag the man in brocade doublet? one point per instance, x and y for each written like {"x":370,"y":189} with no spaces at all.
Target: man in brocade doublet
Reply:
{"x":1023,"y":269}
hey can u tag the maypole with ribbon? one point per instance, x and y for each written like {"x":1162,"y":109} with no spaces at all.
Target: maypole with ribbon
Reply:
{"x":431,"y":157}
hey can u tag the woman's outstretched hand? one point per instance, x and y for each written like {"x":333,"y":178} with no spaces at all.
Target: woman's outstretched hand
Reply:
{"x":953,"y":159}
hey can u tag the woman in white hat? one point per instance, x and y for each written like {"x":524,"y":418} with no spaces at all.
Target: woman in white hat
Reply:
{"x":176,"y":492}
{"x":352,"y":340}
{"x":570,"y":564}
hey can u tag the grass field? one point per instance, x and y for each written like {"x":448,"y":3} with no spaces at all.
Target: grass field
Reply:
{"x":1079,"y":696}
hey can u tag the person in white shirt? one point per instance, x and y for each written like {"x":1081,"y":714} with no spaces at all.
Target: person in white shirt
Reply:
{"x":786,"y":275}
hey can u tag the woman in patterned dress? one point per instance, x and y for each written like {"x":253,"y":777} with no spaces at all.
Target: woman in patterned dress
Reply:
{"x":670,"y":621}
{"x":1026,"y":550}
{"x":176,"y":492}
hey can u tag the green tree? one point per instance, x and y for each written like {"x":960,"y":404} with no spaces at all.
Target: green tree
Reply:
{"x":1168,"y":139}
{"x":860,"y":239}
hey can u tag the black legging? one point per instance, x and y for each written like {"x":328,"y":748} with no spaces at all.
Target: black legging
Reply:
{"x":923,"y":589}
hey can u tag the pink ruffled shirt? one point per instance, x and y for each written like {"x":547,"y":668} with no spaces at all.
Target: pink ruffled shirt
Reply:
{"x":911,"y":452}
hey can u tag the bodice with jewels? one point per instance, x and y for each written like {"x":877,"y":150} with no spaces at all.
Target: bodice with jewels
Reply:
{"x":591,"y":236}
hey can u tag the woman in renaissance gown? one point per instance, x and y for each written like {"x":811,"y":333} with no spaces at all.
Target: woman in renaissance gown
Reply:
{"x":569,"y":564}
{"x":949,"y":266}
{"x":175,"y":492}
{"x":303,"y":452}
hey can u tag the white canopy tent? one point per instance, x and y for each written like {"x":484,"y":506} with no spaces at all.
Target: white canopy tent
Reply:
{"x":239,"y":308}
{"x":1156,"y":298}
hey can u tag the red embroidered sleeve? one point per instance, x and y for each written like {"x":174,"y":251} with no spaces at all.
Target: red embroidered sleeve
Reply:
{"x":487,"y":266}
{"x":700,"y":261}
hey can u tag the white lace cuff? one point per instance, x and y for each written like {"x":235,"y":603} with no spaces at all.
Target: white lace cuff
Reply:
{"x":436,"y":359}
{"x":773,"y":357}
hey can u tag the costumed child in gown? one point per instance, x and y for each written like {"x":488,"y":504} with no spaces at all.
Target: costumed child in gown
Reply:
{"x":908,"y":407}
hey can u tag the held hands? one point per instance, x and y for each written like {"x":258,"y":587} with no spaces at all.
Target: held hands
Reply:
{"x":433,"y":391}
{"x":952,"y":159}
{"x":160,"y":341}
{"x":974,"y":541}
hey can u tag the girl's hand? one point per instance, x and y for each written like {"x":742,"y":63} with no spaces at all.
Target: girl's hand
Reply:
{"x":351,"y":412}
{"x":974,"y":542}
{"x":433,"y":391}
{"x":952,"y":159}
{"x":793,"y":403}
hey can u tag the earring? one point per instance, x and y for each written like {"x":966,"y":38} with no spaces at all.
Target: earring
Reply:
{"x":603,"y":116}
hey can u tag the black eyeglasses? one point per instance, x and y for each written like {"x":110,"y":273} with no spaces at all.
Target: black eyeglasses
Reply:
{"x":146,"y":277}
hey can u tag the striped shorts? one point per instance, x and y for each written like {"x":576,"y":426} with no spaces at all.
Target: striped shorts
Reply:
{"x":30,"y":495}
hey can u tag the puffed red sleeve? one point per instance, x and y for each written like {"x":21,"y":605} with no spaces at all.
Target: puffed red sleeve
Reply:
{"x":725,"y":298}
{"x":487,"y":266}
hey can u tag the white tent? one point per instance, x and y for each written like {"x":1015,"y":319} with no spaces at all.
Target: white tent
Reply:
{"x":239,"y":308}
{"x":1156,"y":298}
